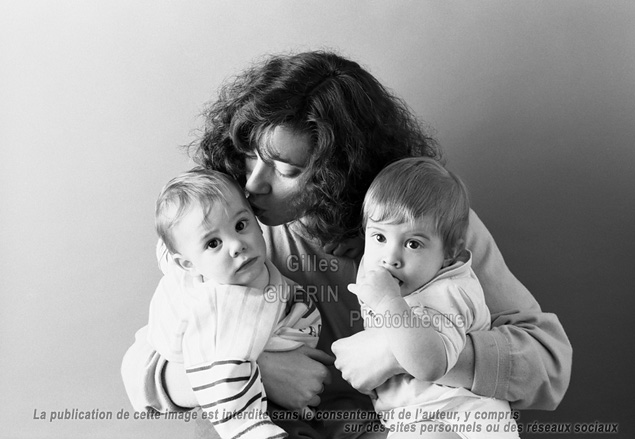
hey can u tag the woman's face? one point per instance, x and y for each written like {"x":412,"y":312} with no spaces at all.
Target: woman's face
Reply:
{"x":274,"y":186}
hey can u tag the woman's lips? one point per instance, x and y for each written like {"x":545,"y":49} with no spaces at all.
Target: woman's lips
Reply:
{"x":257,"y":209}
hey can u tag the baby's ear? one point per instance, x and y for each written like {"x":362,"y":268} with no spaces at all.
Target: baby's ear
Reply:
{"x":453,"y":253}
{"x":185,"y":264}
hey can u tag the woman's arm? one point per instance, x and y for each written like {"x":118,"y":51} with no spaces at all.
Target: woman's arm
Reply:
{"x":526,"y":357}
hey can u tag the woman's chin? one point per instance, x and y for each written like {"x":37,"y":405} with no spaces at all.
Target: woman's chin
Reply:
{"x":275,"y":220}
{"x":266,"y":221}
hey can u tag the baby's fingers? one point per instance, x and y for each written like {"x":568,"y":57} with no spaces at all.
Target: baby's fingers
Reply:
{"x":353,"y":288}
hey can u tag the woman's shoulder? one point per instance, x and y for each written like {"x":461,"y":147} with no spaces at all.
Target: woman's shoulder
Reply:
{"x":480,"y":242}
{"x":476,"y":228}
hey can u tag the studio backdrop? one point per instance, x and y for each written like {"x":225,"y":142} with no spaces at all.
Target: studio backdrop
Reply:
{"x":532,"y":101}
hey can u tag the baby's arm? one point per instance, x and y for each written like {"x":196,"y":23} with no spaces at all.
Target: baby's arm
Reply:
{"x":148,"y":377}
{"x":150,"y":380}
{"x":409,"y":340}
{"x":226,"y":331}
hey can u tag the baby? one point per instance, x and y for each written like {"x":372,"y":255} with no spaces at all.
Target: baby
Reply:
{"x":416,"y":286}
{"x":221,"y":303}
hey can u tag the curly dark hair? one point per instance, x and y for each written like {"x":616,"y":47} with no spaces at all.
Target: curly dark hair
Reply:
{"x":356,"y":127}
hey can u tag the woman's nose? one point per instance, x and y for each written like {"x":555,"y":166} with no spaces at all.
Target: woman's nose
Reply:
{"x":258,"y":173}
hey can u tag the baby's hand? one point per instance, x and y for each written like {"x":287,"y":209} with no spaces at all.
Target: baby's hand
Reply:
{"x":376,"y":286}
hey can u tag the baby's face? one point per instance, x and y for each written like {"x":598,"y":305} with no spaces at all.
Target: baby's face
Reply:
{"x":412,"y":253}
{"x":226,"y":247}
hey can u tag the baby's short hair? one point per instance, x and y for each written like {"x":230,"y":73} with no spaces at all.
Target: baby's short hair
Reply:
{"x":205,"y":187}
{"x":411,"y":188}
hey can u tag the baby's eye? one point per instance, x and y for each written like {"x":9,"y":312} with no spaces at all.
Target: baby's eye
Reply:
{"x":241,"y":225}
{"x":213,"y":243}
{"x":413,"y":245}
{"x":380,"y":238}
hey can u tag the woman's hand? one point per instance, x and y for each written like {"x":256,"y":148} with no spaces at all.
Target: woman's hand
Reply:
{"x":365,"y":360}
{"x":294,"y":379}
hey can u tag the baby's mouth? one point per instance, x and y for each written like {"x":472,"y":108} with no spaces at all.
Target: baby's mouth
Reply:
{"x":399,"y":281}
{"x":246,"y":264}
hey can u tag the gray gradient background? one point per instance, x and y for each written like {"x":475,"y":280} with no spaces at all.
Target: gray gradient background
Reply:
{"x":533,"y":101}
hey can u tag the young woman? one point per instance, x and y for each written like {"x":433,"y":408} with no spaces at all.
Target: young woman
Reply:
{"x":306,"y":134}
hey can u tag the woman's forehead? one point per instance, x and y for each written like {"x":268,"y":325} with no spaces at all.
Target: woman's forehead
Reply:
{"x":286,"y":145}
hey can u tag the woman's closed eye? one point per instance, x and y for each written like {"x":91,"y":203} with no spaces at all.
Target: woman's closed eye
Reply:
{"x":286,"y":170}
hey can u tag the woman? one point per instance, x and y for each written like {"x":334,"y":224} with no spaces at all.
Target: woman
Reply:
{"x":306,"y":134}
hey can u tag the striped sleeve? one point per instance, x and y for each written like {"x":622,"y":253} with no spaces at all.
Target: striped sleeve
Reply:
{"x":226,"y":333}
{"x":232,"y":395}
